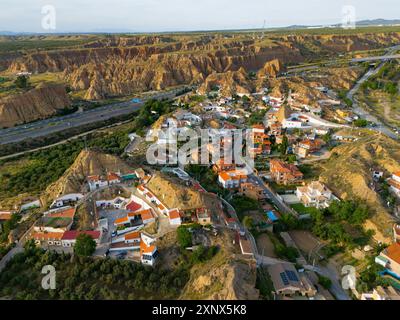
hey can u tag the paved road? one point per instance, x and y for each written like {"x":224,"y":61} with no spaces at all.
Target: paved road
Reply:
{"x":336,"y":287}
{"x":283,"y":207}
{"x":377,"y":58}
{"x":52,"y":125}
{"x":378,"y":125}
{"x":9,"y":256}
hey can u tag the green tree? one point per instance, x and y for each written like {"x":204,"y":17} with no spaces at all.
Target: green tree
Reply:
{"x":361,"y":123}
{"x":284,"y":145}
{"x":324,"y":281}
{"x":21,"y":82}
{"x":248,"y":222}
{"x":184,"y":237}
{"x":85,"y":246}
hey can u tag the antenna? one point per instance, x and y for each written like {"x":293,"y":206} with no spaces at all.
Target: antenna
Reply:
{"x":263,"y":29}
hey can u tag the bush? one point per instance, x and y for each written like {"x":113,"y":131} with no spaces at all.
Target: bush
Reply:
{"x":21,"y":82}
{"x":361,"y":123}
{"x":324,"y":281}
{"x":184,"y":237}
{"x":84,"y":246}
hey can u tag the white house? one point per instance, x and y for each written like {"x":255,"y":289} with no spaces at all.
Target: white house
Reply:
{"x":232,"y":179}
{"x":69,"y":237}
{"x":148,"y":254}
{"x":30,"y":205}
{"x":66,"y":200}
{"x":316,"y":194}
{"x":174,"y":217}
{"x":394,"y":183}
{"x":95,"y":182}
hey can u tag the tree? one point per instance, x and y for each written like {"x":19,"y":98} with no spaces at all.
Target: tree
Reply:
{"x":248,"y":222}
{"x":324,"y":281}
{"x":284,"y":145}
{"x":184,"y":237}
{"x":85,"y":246}
{"x":361,"y":123}
{"x":21,"y":82}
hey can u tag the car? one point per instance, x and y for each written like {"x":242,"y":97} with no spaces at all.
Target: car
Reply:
{"x":114,"y":234}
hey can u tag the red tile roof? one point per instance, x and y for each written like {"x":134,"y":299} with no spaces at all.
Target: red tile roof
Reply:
{"x":132,"y":235}
{"x":68,"y":213}
{"x":393,"y":252}
{"x":73,"y":234}
{"x":111,"y":176}
{"x":122,"y":220}
{"x":5,"y":215}
{"x":133,"y":206}
{"x":45,"y":236}
{"x":174,"y":214}
{"x":146,"y":249}
{"x":93,"y":178}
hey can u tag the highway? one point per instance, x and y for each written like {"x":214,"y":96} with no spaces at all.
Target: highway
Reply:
{"x":56,"y":124}
{"x":378,"y":125}
{"x":383,"y":58}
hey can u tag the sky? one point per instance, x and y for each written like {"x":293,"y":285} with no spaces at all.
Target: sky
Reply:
{"x":181,"y":15}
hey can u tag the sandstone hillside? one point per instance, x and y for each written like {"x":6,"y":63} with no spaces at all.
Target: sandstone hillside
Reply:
{"x":38,"y":103}
{"x":87,"y":163}
{"x":348,"y":173}
{"x":224,"y":277}
{"x":175,"y":194}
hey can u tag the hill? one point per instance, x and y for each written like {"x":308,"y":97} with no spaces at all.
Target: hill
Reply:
{"x":87,"y":163}
{"x":348,"y":173}
{"x":175,"y":194}
{"x":37,"y":103}
{"x":224,"y":277}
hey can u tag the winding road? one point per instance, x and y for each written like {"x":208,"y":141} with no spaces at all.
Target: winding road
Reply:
{"x":378,"y":126}
{"x":56,"y":124}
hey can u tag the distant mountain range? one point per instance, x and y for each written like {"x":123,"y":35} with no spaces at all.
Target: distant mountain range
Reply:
{"x":361,"y":23}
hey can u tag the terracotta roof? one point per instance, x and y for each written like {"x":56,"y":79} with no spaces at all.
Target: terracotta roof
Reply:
{"x":149,"y":194}
{"x":47,"y":236}
{"x":73,"y":234}
{"x":147,"y":214}
{"x":174,"y":214}
{"x":146,"y":249}
{"x":282,"y":167}
{"x":393,"y":252}
{"x":5,"y":215}
{"x":161,"y":207}
{"x":141,"y":188}
{"x":122,"y":220}
{"x":397,"y":174}
{"x":111,"y":176}
{"x":132,"y":235}
{"x":133,"y":206}
{"x":394,"y":184}
{"x":225,"y":176}
{"x":133,"y":214}
{"x":93,"y":178}
{"x":68,"y":213}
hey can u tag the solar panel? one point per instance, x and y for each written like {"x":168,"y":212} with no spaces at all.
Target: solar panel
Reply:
{"x":284,"y":278}
{"x":292,"y":276}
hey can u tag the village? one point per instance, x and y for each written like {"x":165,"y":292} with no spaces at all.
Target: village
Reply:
{"x":287,"y":136}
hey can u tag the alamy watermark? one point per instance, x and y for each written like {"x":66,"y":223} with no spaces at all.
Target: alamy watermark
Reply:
{"x":184,"y":146}
{"x":49,"y":18}
{"x":49,"y":280}
{"x":348,"y":17}
{"x":349,"y":277}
